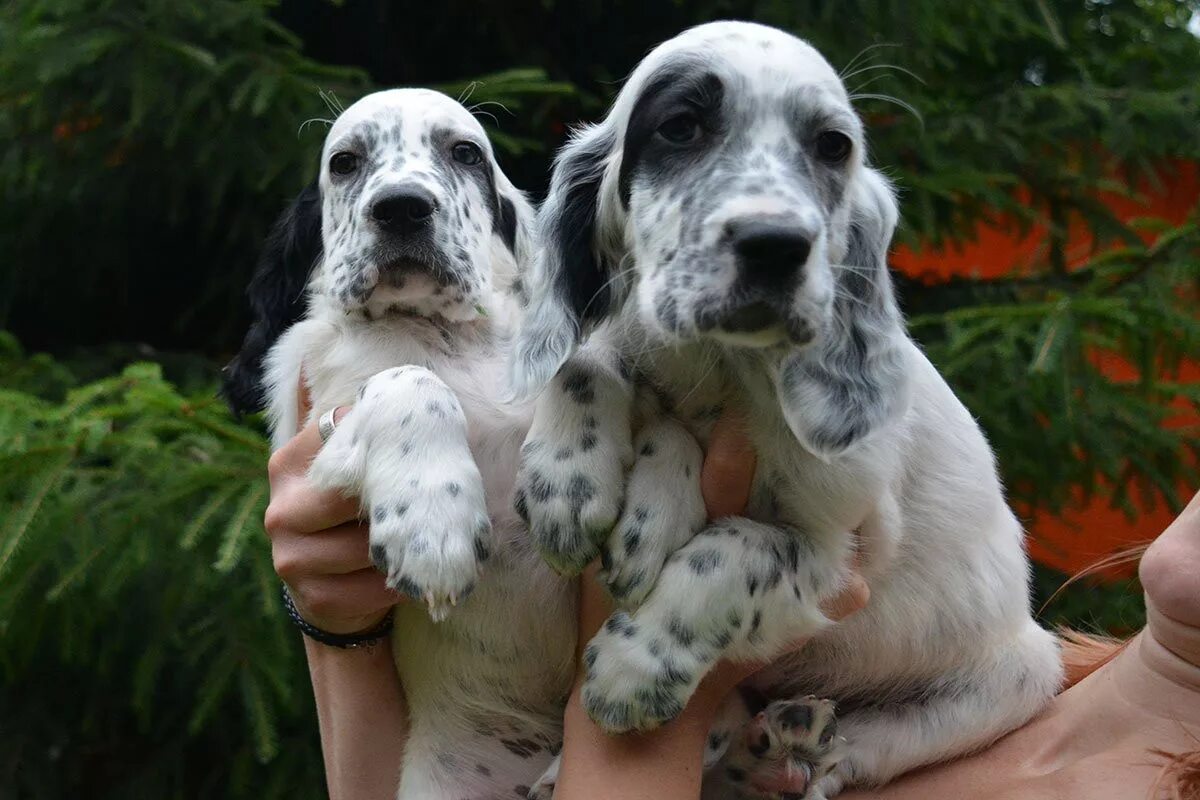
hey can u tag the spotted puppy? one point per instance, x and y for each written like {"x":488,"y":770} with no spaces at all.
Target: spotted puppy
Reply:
{"x":719,"y":242}
{"x":408,"y":302}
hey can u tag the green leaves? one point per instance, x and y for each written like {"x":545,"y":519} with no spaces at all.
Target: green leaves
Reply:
{"x":132,"y":553}
{"x":1073,"y":376}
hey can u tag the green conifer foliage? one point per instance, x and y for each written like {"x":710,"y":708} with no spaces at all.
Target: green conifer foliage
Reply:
{"x":143,"y":652}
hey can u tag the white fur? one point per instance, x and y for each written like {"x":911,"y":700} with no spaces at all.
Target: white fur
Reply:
{"x":863,"y":450}
{"x":485,"y":684}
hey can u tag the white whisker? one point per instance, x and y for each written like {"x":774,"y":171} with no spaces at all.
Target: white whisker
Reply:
{"x":887,"y":98}
{"x":307,"y":122}
{"x":862,"y":54}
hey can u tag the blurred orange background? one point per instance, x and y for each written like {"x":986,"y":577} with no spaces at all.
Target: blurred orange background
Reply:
{"x":1089,"y":530}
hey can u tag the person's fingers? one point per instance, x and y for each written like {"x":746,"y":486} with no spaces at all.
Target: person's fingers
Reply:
{"x":728,"y":469}
{"x":299,"y":451}
{"x":296,"y":507}
{"x":594,"y":606}
{"x":852,"y":598}
{"x":335,"y":551}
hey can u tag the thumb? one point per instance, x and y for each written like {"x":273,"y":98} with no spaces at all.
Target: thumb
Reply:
{"x":728,"y":470}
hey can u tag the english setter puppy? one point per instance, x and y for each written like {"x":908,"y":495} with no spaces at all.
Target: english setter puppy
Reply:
{"x":718,"y":242}
{"x":417,"y":235}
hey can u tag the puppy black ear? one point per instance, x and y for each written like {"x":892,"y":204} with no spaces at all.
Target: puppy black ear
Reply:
{"x":855,"y":379}
{"x":276,"y":294}
{"x":569,"y":285}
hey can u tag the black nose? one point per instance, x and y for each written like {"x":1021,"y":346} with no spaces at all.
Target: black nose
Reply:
{"x":403,"y":210}
{"x":771,"y":253}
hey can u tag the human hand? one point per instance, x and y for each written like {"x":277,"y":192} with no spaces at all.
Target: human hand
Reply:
{"x":318,"y":545}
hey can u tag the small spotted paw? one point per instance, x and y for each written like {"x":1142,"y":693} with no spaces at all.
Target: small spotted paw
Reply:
{"x":635,"y":681}
{"x":403,"y":450}
{"x":786,"y":749}
{"x":569,"y":489}
{"x":431,"y":541}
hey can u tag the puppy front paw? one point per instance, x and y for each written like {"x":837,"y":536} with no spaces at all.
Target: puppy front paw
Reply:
{"x":572,"y":476}
{"x":569,"y":490}
{"x":431,"y":540}
{"x":403,"y":450}
{"x":634,"y":680}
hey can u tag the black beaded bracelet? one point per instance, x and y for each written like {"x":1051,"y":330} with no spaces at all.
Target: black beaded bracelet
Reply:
{"x":346,"y":641}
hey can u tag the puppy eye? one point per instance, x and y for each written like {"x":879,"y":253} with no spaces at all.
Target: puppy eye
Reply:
{"x":833,"y":147}
{"x":343,"y":163}
{"x":466,"y":153}
{"x":680,"y":129}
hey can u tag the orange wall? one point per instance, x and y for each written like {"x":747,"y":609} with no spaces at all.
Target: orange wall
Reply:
{"x":1089,"y":530}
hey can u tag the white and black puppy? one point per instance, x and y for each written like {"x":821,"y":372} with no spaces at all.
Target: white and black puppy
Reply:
{"x":408,"y":303}
{"x":720,"y":242}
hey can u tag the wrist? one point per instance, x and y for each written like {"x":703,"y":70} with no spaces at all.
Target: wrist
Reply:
{"x":349,"y":633}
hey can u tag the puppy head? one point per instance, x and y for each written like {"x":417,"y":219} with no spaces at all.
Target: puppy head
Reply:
{"x":416,"y":216}
{"x":410,"y":214}
{"x":725,"y":196}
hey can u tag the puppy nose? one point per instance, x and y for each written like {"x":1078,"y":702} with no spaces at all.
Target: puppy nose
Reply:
{"x":403,"y":210}
{"x":769,"y":252}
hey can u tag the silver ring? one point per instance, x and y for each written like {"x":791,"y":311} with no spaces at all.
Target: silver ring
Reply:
{"x":326,"y":424}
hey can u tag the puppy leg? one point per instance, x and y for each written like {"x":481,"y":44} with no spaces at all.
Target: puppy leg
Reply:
{"x":663,"y":510}
{"x":739,"y":589}
{"x":955,"y":715}
{"x":403,"y":450}
{"x":572,"y":476}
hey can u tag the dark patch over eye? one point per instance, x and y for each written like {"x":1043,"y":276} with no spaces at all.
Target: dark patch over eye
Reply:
{"x":679,"y":106}
{"x":343,"y":163}
{"x":833,"y":146}
{"x":466,"y":153}
{"x":681,"y":129}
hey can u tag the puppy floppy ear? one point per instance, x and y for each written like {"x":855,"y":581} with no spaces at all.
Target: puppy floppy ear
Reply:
{"x":513,"y":221}
{"x":569,"y":286}
{"x":854,"y":379}
{"x":276,"y":294}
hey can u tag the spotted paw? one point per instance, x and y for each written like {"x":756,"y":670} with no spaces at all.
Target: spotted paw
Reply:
{"x":403,"y":450}
{"x":635,"y":681}
{"x":786,"y":749}
{"x":667,"y":465}
{"x":569,"y":489}
{"x":431,"y":541}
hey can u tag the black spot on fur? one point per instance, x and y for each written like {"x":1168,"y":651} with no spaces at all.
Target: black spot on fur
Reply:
{"x":704,"y":562}
{"x":680,"y":632}
{"x":632,"y":539}
{"x":525,"y":748}
{"x":578,"y":384}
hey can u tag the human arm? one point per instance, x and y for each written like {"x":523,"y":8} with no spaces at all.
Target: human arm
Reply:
{"x":319,"y":549}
